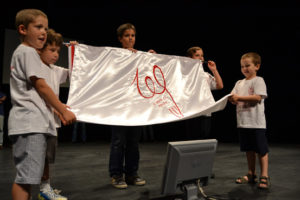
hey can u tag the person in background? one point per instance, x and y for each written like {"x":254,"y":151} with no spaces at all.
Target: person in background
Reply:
{"x":2,"y":99}
{"x":82,"y":132}
{"x":199,"y":127}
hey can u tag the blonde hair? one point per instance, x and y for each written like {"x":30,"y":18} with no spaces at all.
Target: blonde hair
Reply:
{"x":255,"y":57}
{"x":53,"y":38}
{"x":26,"y":16}
{"x":121,"y":29}
{"x":190,"y":52}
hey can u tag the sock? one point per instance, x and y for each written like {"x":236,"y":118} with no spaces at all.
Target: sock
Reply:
{"x":45,"y":185}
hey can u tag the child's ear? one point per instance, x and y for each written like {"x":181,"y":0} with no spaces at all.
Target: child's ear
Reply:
{"x":257,"y":66}
{"x":22,"y":29}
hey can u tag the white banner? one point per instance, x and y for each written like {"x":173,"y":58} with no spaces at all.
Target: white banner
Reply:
{"x":115,"y":86}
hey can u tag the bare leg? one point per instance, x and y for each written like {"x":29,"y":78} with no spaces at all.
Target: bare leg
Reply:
{"x":46,"y":171}
{"x":21,"y":191}
{"x":251,"y":158}
{"x":264,"y":165}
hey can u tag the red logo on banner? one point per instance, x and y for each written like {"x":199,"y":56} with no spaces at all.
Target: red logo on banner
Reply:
{"x":174,"y":109}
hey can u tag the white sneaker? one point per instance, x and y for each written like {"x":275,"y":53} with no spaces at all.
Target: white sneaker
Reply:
{"x":50,"y":195}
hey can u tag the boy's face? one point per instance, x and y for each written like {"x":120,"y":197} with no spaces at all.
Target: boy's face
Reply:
{"x":198,"y":55}
{"x":50,"y":54}
{"x":128,"y":39}
{"x":35,"y":34}
{"x":248,"y":68}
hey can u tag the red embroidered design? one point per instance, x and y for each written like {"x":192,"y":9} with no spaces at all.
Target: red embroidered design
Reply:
{"x":173,"y":109}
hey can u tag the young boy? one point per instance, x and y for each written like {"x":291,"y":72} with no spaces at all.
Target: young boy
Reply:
{"x":57,"y":75}
{"x":248,"y":95}
{"x":125,"y":139}
{"x":199,"y":128}
{"x":31,"y":117}
{"x":2,"y":99}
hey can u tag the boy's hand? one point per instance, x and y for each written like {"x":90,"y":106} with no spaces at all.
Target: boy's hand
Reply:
{"x":71,"y":43}
{"x":233,"y":99}
{"x":211,"y":65}
{"x":68,"y":117}
{"x":132,"y":49}
{"x":151,"y":51}
{"x":60,"y":116}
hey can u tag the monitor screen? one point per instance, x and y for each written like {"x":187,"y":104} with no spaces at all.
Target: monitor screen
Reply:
{"x":188,"y":162}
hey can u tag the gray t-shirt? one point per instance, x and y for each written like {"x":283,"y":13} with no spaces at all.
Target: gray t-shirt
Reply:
{"x":251,"y":115}
{"x":29,"y":112}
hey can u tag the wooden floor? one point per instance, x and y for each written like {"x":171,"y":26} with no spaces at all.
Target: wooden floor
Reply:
{"x":81,"y":171}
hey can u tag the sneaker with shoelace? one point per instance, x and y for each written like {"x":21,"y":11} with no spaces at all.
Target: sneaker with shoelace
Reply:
{"x":51,"y":195}
{"x":135,"y":180}
{"x":118,"y":182}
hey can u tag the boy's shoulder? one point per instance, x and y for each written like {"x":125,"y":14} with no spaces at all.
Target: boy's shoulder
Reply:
{"x":259,"y":78}
{"x":23,"y":49}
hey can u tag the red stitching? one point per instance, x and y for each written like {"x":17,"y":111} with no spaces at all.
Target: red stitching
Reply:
{"x":174,"y":109}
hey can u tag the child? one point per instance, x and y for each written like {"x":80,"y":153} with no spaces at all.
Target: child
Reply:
{"x":125,"y":139}
{"x":31,"y":119}
{"x":199,"y":128}
{"x":2,"y":99}
{"x":57,"y":75}
{"x":248,"y":95}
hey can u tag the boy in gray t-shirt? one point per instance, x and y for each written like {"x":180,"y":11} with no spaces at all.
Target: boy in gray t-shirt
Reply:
{"x":30,"y":119}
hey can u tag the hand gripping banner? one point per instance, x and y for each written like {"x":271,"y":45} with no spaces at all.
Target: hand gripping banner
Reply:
{"x":115,"y":86}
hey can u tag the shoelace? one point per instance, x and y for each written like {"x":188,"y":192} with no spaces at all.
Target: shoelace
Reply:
{"x":51,"y":193}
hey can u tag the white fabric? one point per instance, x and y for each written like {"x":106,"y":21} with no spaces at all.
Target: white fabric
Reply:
{"x":118,"y":87}
{"x":251,"y":115}
{"x":29,"y":112}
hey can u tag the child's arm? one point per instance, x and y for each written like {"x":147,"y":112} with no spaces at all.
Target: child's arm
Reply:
{"x":2,"y":99}
{"x":213,"y":68}
{"x":250,"y":99}
{"x":48,"y":95}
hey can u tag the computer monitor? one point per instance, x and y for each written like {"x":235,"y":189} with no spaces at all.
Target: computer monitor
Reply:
{"x":188,"y":163}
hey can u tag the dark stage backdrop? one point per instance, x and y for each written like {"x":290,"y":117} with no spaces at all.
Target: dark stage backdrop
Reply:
{"x":224,"y":30}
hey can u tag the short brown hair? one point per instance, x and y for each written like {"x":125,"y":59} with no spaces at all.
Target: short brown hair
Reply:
{"x":53,"y":38}
{"x":190,"y":52}
{"x":255,"y":57}
{"x":121,"y":29}
{"x":26,"y":16}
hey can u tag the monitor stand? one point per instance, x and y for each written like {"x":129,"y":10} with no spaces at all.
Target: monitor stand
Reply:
{"x":191,"y":192}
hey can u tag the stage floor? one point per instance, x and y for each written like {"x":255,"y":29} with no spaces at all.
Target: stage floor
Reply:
{"x":81,"y":171}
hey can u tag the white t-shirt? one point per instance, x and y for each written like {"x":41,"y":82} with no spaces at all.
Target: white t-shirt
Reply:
{"x":211,"y":81}
{"x":212,"y":85}
{"x":57,"y":76}
{"x":251,"y":115}
{"x":29,"y":112}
